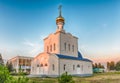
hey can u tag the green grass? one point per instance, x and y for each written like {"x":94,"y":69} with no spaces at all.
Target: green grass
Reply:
{"x":111,"y":77}
{"x":44,"y":80}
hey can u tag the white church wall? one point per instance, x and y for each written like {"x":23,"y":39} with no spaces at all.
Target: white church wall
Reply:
{"x":69,"y":40}
{"x":40,"y":64}
{"x":45,"y":58}
{"x":87,"y":68}
{"x":53,"y":66}
{"x":50,"y":41}
{"x":84,"y":67}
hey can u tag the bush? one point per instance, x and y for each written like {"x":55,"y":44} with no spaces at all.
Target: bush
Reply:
{"x":4,"y":74}
{"x":65,"y":78}
{"x":5,"y":77}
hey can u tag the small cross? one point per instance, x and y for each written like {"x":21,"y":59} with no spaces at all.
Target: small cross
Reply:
{"x":60,"y":7}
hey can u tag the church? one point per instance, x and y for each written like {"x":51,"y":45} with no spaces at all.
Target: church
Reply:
{"x":60,"y":55}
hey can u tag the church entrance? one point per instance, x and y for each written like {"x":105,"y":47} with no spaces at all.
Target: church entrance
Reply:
{"x":37,"y":70}
{"x":41,"y":71}
{"x":45,"y":70}
{"x":78,"y":69}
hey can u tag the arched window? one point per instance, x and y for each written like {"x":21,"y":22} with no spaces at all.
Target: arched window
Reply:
{"x":41,"y":65}
{"x":37,"y":65}
{"x":53,"y":67}
{"x":64,"y":67}
{"x":65,"y":46}
{"x":73,"y":48}
{"x":69,"y":47}
{"x":78,"y":65}
{"x":46,"y":64}
{"x":54,"y":47}
{"x":51,"y":48}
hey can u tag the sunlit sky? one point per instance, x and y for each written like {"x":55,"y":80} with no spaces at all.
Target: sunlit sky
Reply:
{"x":25,"y":23}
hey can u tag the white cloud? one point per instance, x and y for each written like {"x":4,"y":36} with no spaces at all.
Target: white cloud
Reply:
{"x":28,"y":43}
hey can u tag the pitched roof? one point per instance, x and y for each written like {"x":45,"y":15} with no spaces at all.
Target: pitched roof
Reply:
{"x":73,"y":58}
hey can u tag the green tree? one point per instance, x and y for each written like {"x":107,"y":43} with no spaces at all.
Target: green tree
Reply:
{"x":4,"y":74}
{"x":9,"y":66}
{"x":111,"y":65}
{"x":65,"y":78}
{"x":1,"y":60}
{"x":108,"y":66}
{"x":117,"y":67}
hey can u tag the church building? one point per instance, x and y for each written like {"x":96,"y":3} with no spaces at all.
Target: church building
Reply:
{"x":61,"y":55}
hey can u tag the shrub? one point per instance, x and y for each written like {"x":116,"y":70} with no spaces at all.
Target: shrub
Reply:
{"x":5,"y":77}
{"x":4,"y":74}
{"x":65,"y":78}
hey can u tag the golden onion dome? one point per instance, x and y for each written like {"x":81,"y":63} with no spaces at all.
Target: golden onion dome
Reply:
{"x":59,"y":19}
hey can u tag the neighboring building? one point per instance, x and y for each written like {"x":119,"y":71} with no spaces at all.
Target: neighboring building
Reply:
{"x":1,"y":60}
{"x":98,"y":70}
{"x":22,"y":63}
{"x":61,"y":55}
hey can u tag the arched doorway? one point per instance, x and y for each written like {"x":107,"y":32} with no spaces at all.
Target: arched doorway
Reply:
{"x":78,"y":69}
{"x":41,"y":70}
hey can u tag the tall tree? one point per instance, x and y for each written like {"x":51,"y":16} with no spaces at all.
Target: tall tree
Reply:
{"x":9,"y":66}
{"x":112,"y":65}
{"x":99,"y":65}
{"x":108,"y":66}
{"x":117,"y":66}
{"x":1,"y":60}
{"x":96,"y":66}
{"x":93,"y":65}
{"x":102,"y":66}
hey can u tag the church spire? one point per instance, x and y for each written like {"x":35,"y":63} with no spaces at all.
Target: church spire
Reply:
{"x":60,"y":20}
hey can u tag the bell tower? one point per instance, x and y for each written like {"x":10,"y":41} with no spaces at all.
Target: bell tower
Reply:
{"x":61,"y":42}
{"x":60,"y":20}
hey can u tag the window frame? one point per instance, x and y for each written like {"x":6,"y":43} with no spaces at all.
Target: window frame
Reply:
{"x":64,"y":67}
{"x":53,"y":67}
{"x":65,"y":46}
{"x":69,"y":47}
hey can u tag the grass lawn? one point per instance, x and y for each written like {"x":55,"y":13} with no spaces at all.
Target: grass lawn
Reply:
{"x":111,"y":77}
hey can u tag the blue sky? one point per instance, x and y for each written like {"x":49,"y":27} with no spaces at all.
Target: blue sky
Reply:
{"x":25,"y":23}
